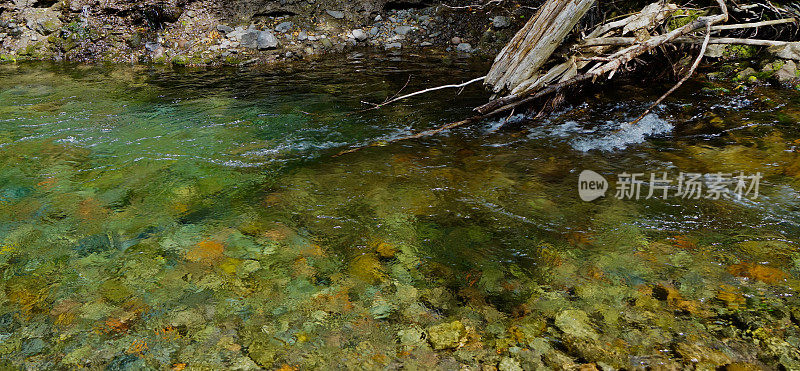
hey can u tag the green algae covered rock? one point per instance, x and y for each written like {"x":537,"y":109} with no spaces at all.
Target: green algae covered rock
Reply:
{"x":509,"y":364}
{"x":411,"y":337}
{"x":446,"y":335}
{"x":701,"y":356}
{"x":575,"y":322}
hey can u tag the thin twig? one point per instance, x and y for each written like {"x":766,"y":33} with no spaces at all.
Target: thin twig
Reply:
{"x":376,"y":106}
{"x":753,"y":24}
{"x":395,"y":94}
{"x":478,"y":6}
{"x":688,"y":75}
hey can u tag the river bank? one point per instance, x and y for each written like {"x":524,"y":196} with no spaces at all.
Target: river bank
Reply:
{"x":245,"y":32}
{"x":218,"y":33}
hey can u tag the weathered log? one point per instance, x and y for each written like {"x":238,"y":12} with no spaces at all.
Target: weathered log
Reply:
{"x":532,"y":46}
{"x":618,"y":59}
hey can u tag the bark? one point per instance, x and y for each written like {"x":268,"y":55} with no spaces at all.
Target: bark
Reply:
{"x":532,"y":46}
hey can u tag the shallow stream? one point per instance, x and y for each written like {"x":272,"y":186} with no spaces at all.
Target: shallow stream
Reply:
{"x":195,"y":218}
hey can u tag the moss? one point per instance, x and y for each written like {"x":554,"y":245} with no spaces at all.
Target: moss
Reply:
{"x":740,"y":52}
{"x":232,"y":60}
{"x":160,"y":60}
{"x":65,"y":43}
{"x":683,"y":17}
{"x":7,"y":58}
{"x":180,"y":60}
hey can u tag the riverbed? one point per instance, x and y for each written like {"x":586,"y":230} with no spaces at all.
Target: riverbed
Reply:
{"x":177,"y":218}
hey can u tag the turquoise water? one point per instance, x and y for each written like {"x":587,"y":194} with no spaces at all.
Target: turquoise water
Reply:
{"x":195,"y":218}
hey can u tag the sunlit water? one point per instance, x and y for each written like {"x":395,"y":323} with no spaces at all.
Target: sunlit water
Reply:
{"x":159,"y":218}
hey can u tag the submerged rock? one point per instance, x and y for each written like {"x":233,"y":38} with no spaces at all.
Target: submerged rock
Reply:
{"x":703,"y":357}
{"x":411,"y":337}
{"x":446,"y":335}
{"x":758,"y":272}
{"x":509,"y":364}
{"x":575,"y":322}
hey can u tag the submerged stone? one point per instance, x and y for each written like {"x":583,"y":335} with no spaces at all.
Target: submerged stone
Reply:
{"x":94,"y":244}
{"x":702,"y":356}
{"x":509,"y":364}
{"x":446,"y":335}
{"x":32,"y":346}
{"x":758,"y":272}
{"x":411,"y":337}
{"x":575,"y":322}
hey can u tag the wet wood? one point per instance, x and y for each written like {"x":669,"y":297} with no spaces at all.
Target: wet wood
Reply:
{"x":533,"y":45}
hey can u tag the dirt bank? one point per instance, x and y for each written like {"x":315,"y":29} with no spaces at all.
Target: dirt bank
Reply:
{"x":208,"y":32}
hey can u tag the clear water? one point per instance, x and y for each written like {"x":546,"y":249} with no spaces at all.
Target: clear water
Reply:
{"x":159,"y":218}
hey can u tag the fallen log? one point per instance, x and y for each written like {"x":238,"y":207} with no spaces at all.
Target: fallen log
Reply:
{"x":532,"y":46}
{"x":617,"y":60}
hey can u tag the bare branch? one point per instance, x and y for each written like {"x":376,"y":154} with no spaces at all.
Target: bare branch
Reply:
{"x":688,"y":75}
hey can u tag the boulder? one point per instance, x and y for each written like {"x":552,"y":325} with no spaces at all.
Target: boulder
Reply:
{"x":359,"y":34}
{"x":464,"y":47}
{"x":42,"y":20}
{"x":787,"y":73}
{"x":224,"y":29}
{"x":284,"y":26}
{"x":403,"y":30}
{"x":266,"y":40}
{"x":249,"y":39}
{"x":788,"y":51}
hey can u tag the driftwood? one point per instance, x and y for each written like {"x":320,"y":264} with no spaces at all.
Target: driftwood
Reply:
{"x":526,"y":69}
{"x":530,"y":48}
{"x":615,"y":60}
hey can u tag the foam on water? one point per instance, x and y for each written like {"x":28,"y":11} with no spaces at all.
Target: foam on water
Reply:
{"x":610,"y":135}
{"x":616,"y":135}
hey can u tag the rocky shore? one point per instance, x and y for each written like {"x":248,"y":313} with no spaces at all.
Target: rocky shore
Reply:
{"x":240,"y":32}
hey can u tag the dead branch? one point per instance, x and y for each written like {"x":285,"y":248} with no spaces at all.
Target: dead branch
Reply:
{"x":602,"y":41}
{"x":619,"y":59}
{"x":376,"y":106}
{"x":731,"y":40}
{"x":753,"y":24}
{"x":688,"y":75}
{"x":474,"y":6}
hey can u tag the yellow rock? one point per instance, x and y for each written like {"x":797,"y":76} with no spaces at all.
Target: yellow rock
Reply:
{"x":367,"y":268}
{"x":386,"y":250}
